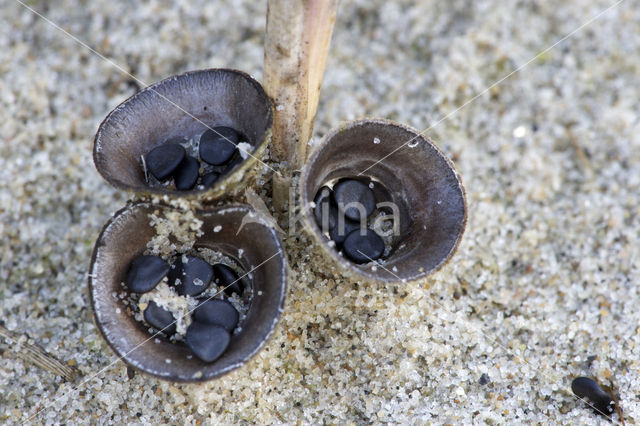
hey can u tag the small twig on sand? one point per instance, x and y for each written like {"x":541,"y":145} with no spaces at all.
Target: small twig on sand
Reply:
{"x":34,"y":354}
{"x":612,"y":392}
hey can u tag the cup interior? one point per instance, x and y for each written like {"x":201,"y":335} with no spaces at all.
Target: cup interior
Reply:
{"x":408,"y":170}
{"x":125,"y":237}
{"x":181,"y":106}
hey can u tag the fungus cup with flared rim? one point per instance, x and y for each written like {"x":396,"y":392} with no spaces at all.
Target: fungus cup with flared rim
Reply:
{"x":183,"y":106}
{"x":125,"y":237}
{"x":413,"y":174}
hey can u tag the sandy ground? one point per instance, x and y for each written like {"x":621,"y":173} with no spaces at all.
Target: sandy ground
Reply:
{"x":543,"y":288}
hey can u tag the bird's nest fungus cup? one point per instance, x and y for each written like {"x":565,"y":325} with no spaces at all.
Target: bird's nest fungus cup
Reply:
{"x":178,"y":111}
{"x":126,"y":237}
{"x":413,"y":202}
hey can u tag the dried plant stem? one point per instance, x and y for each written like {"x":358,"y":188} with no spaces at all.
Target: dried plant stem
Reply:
{"x":295,"y":52}
{"x":34,"y":354}
{"x":281,"y":186}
